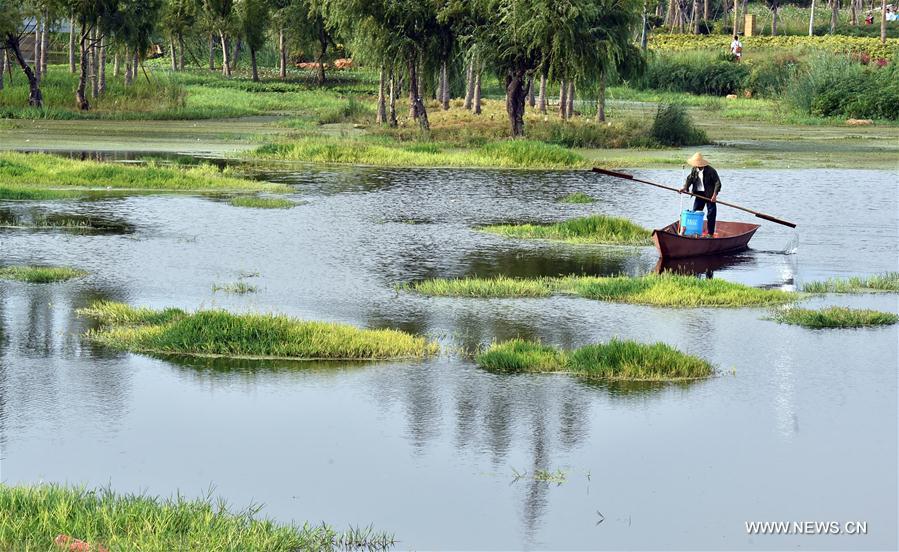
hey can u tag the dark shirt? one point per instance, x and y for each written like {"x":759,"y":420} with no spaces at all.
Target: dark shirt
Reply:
{"x":710,"y":182}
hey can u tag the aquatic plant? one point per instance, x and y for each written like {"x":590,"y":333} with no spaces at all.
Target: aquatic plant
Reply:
{"x":40,"y":274}
{"x":44,"y":176}
{"x":834,"y":317}
{"x":262,"y":202}
{"x":664,"y":290}
{"x":888,"y":281}
{"x":615,"y":360}
{"x":35,"y":517}
{"x":220,"y":333}
{"x":235,"y":287}
{"x":599,"y":229}
{"x":577,"y":197}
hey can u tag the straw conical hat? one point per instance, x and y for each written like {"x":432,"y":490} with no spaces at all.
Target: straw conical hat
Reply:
{"x":697,"y":160}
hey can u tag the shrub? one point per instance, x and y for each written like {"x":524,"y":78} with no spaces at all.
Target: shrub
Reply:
{"x":837,"y":87}
{"x":673,"y":126}
{"x":771,"y":77}
{"x":700,"y":72}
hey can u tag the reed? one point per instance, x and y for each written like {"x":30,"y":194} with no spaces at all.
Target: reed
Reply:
{"x":43,"y":517}
{"x":577,"y":197}
{"x":220,"y":333}
{"x":596,"y":229}
{"x":834,"y":317}
{"x":40,"y":274}
{"x":254,"y":202}
{"x":615,"y":360}
{"x":888,"y":281}
{"x":498,"y":286}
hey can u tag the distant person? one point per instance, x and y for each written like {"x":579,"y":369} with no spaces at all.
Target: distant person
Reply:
{"x":869,"y":19}
{"x":703,"y":181}
{"x":736,"y":48}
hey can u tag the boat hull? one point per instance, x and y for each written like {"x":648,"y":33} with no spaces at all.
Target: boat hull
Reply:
{"x":732,"y":238}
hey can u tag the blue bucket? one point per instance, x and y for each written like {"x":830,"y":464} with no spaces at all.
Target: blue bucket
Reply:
{"x":691,"y":223}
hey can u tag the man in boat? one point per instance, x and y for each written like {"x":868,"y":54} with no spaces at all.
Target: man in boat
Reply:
{"x":703,"y":181}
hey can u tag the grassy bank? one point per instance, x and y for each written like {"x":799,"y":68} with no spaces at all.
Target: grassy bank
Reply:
{"x":40,"y":274}
{"x":856,"y":284}
{"x":36,"y":517}
{"x":596,"y":229}
{"x":662,"y":290}
{"x":43,"y":176}
{"x":219,"y":333}
{"x":834,"y":317}
{"x":615,"y":360}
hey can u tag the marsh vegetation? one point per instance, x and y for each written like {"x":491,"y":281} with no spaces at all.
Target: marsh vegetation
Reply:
{"x":40,"y":274}
{"x":595,"y":229}
{"x":888,"y":281}
{"x":254,"y":202}
{"x":834,"y":317}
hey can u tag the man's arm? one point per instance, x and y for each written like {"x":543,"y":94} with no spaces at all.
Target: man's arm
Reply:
{"x":717,"y":185}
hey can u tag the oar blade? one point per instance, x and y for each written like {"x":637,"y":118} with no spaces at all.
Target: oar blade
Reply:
{"x":613,"y":173}
{"x":776,"y":220}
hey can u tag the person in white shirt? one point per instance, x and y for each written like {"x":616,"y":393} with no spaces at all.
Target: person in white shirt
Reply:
{"x":703,"y":181}
{"x":736,"y":48}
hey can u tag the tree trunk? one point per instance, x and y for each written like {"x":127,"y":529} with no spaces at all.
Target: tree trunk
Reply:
{"x":211,"y":52}
{"x":563,"y":100}
{"x":774,"y":20}
{"x":391,"y":121}
{"x":476,"y":99}
{"x":469,"y":84}
{"x":181,"y":51}
{"x":853,"y":17}
{"x":80,"y":95}
{"x":696,"y":17}
{"x":129,"y":70}
{"x":515,"y":98}
{"x":135,"y":65}
{"x":282,"y":54}
{"x":419,"y":108}
{"x":115,"y":63}
{"x":172,"y":53}
{"x":226,"y":63}
{"x":736,"y":16}
{"x":444,"y":92}
{"x":811,"y":20}
{"x":253,"y":64}
{"x":569,"y":109}
{"x":101,"y":67}
{"x":532,"y":96}
{"x":37,"y":48}
{"x":883,"y":21}
{"x":834,"y":16}
{"x":72,"y":45}
{"x":95,"y":65}
{"x":541,"y":98}
{"x":705,"y":10}
{"x":643,"y":30}
{"x":2,"y":65}
{"x":601,"y":99}
{"x":35,"y":98}
{"x":238,"y":46}
{"x":323,"y":48}
{"x":45,"y":40}
{"x":381,"y":116}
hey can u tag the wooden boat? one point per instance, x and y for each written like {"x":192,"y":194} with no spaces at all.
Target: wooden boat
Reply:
{"x":731,"y":237}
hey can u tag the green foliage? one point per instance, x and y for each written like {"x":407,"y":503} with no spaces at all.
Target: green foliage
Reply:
{"x":615,"y":360}
{"x":219,"y":333}
{"x":771,"y":77}
{"x":262,"y":202}
{"x":663,"y":290}
{"x":31,"y":518}
{"x":834,"y":317}
{"x":40,"y":274}
{"x":599,"y":229}
{"x":673,"y":126}
{"x":888,"y":281}
{"x":822,"y":44}
{"x":577,"y":197}
{"x":697,"y":72}
{"x":838,"y":87}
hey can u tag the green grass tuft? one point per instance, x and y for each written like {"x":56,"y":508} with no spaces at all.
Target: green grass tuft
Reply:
{"x":235,"y":287}
{"x":834,"y":317}
{"x":220,"y":333}
{"x":663,"y":290}
{"x":262,"y":202}
{"x":32,"y":517}
{"x":577,"y":197}
{"x":615,"y":360}
{"x":598,"y":229}
{"x":40,"y":274}
{"x":856,"y":284}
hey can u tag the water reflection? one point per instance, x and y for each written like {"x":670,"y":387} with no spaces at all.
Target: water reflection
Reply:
{"x":34,"y":218}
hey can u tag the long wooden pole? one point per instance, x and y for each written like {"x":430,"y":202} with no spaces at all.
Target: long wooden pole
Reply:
{"x":631,"y":177}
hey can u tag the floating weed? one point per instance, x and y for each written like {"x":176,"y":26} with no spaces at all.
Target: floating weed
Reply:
{"x":834,"y":317}
{"x":615,"y":360}
{"x":33,"y":517}
{"x":598,"y":229}
{"x":235,"y":287}
{"x":219,"y":333}
{"x":577,"y":197}
{"x":262,"y":202}
{"x":40,"y":274}
{"x":888,"y":281}
{"x":558,"y":477}
{"x":664,"y":290}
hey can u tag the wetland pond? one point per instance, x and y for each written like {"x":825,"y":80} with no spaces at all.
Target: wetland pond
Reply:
{"x":798,"y":425}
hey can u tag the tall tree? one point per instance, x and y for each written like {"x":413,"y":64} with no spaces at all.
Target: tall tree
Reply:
{"x":91,"y":16}
{"x":178,"y":18}
{"x":221,"y":17}
{"x":254,"y":18}
{"x":12,"y":13}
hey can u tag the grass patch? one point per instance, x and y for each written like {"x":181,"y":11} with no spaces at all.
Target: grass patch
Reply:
{"x":40,"y":274}
{"x":235,"y":287}
{"x":32,"y":517}
{"x":834,"y":317}
{"x":220,"y":333}
{"x":855,"y":284}
{"x":662,"y":290}
{"x":599,"y":229}
{"x":44,"y":176}
{"x":615,"y":360}
{"x":577,"y":197}
{"x":262,"y":202}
